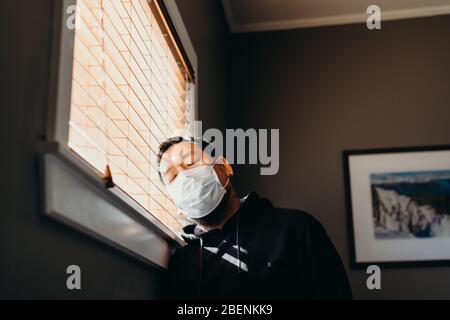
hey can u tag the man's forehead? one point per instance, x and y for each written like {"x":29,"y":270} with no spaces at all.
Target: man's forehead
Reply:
{"x":181,"y":149}
{"x":177,"y":152}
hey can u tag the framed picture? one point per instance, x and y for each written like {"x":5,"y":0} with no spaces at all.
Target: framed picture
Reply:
{"x":398,"y":204}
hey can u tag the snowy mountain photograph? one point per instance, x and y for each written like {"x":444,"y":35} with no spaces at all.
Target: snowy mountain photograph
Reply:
{"x":411,"y":204}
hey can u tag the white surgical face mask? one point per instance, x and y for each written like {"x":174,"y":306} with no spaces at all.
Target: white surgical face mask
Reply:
{"x":197,"y":191}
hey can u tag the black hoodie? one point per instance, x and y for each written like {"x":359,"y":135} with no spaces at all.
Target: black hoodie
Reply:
{"x":260,"y":252}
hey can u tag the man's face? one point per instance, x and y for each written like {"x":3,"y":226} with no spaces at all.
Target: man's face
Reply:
{"x":186,"y":155}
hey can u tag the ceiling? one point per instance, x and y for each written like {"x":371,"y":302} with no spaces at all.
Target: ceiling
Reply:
{"x":264,"y":15}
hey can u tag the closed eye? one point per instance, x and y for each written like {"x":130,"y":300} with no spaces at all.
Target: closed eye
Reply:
{"x":170,"y":176}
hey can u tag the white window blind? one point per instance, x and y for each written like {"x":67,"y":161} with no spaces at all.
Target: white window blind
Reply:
{"x":129,"y":93}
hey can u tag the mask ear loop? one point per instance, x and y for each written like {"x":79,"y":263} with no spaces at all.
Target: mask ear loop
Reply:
{"x":228,"y":181}
{"x":226,"y":184}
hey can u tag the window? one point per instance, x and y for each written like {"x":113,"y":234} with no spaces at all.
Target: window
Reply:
{"x":131,"y":89}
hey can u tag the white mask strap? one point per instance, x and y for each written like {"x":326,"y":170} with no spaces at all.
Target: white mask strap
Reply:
{"x":228,"y":181}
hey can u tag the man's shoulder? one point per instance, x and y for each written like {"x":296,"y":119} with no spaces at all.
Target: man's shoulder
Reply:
{"x":291,"y":215}
{"x":187,"y":250}
{"x":268,"y":213}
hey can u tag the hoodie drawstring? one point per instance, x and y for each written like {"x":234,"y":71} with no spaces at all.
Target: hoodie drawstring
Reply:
{"x":201,"y":267}
{"x":238,"y":245}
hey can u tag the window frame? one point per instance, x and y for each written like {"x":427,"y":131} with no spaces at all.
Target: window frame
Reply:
{"x":56,"y":155}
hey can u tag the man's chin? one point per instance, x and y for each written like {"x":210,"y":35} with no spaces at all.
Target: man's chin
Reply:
{"x":214,"y":216}
{"x":222,"y":204}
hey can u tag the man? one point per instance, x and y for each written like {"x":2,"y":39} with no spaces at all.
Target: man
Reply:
{"x":241,"y":248}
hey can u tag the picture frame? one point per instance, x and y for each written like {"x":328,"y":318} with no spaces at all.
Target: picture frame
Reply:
{"x":398,"y":206}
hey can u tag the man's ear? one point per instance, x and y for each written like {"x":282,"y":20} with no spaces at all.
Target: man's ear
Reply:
{"x":228,"y":169}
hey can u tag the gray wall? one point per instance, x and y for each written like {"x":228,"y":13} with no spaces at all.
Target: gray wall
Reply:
{"x":336,"y":88}
{"x":35,"y":251}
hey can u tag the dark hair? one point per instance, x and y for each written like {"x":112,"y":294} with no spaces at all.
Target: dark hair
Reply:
{"x":164,"y":146}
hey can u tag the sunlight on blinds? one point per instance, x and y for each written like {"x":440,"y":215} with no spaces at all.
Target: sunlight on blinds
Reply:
{"x":128,"y":95}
